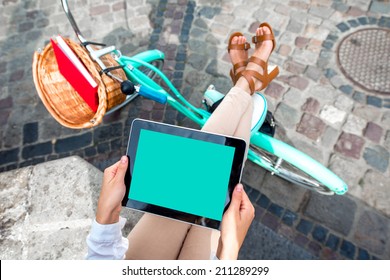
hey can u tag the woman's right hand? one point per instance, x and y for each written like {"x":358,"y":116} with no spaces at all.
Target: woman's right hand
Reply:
{"x":235,"y":224}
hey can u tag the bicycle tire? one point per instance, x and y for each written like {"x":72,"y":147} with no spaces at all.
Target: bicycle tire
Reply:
{"x":294,"y":166}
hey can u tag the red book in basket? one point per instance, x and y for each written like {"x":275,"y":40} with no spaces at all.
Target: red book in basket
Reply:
{"x":75,"y":72}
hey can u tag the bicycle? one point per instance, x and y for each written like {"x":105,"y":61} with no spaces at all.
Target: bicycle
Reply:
{"x":267,"y":152}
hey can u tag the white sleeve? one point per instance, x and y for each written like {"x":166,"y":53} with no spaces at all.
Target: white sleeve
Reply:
{"x":105,"y":242}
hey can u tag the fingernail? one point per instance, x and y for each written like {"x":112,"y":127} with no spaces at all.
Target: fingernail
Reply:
{"x":124,"y":159}
{"x":239,"y":188}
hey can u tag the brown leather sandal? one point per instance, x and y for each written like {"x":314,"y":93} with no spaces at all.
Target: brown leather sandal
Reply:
{"x":234,"y":73}
{"x":258,"y":39}
{"x":269,"y":73}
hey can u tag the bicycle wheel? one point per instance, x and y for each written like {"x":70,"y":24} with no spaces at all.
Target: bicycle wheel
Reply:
{"x":294,"y":166}
{"x":288,"y":172}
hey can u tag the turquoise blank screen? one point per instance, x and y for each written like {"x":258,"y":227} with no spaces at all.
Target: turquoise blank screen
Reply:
{"x":180,"y":173}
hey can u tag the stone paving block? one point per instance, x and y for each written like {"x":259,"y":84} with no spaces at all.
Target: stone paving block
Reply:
{"x":63,"y":244}
{"x":375,"y":191}
{"x":387,"y":140}
{"x":373,"y":132}
{"x":377,"y":157}
{"x":381,"y":7}
{"x":332,"y":241}
{"x":73,"y":143}
{"x":354,"y":125}
{"x":63,"y":197}
{"x":304,"y":227}
{"x":386,"y":119}
{"x":14,"y":198}
{"x":330,"y":136}
{"x":324,"y":94}
{"x":320,"y":11}
{"x":282,"y":192}
{"x":275,"y":90}
{"x":311,"y":126}
{"x":367,"y":112}
{"x":347,"y":249}
{"x":344,"y":103}
{"x":40,"y":149}
{"x":253,"y":174}
{"x":319,"y":233}
{"x":335,"y":212}
{"x":262,"y":243}
{"x":287,"y":115}
{"x":372,"y":232}
{"x":313,"y":73}
{"x":350,"y":171}
{"x":305,"y":57}
{"x":350,"y":145}
{"x":333,"y":115}
{"x":311,"y":106}
{"x":9,"y":156}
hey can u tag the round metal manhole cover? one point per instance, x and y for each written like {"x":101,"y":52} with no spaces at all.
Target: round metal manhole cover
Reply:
{"x":364,"y":58}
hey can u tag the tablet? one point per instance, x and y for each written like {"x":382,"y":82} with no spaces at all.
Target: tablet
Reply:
{"x":182,"y":173}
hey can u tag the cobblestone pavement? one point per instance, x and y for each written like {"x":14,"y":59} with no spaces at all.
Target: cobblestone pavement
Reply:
{"x":320,"y":110}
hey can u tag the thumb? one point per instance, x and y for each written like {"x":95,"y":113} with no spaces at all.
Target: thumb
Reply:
{"x":237,"y":197}
{"x":122,"y":168}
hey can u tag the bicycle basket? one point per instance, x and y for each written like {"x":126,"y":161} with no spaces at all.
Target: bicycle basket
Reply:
{"x":62,"y":101}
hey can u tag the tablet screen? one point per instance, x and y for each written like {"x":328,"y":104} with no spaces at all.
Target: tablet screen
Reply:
{"x":182,"y":173}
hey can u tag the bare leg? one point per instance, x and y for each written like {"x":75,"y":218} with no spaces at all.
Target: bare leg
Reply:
{"x":156,"y":238}
{"x":232,"y":117}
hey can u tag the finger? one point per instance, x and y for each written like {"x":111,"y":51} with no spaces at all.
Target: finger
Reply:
{"x":122,"y":168}
{"x":246,"y":205}
{"x":238,"y":191}
{"x":109,"y":172}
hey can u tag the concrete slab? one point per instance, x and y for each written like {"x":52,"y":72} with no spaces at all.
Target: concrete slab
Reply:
{"x":47,"y":209}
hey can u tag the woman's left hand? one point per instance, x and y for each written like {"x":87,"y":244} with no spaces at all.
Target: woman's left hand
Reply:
{"x":112,"y":193}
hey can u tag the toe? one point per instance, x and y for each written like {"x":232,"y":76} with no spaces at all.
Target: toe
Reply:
{"x":258,"y":32}
{"x":242,"y":40}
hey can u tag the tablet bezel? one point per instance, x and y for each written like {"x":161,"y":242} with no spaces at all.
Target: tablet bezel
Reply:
{"x":235,"y":174}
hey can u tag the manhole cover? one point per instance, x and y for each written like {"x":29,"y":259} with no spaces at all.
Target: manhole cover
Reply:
{"x":364,"y":57}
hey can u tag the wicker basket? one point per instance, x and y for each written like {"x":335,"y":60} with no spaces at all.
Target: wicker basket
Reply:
{"x":59,"y":97}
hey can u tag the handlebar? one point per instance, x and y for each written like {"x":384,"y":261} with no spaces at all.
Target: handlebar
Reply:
{"x":129,"y":88}
{"x":126,"y":86}
{"x":94,"y":54}
{"x":72,"y":21}
{"x":153,"y":94}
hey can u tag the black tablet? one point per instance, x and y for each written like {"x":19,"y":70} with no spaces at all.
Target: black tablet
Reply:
{"x":182,"y":173}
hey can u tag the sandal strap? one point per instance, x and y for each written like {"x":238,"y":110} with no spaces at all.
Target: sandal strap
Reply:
{"x":263,"y":64}
{"x":246,"y":46}
{"x":249,"y":75}
{"x":239,"y":65}
{"x":261,"y":38}
{"x":234,"y":73}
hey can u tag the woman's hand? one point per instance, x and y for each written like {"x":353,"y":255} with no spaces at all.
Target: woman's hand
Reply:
{"x":112,"y":193}
{"x":235,"y":224}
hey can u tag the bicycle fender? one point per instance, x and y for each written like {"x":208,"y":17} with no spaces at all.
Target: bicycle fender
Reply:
{"x":301,"y":161}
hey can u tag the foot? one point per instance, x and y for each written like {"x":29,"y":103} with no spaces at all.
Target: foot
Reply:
{"x":262,"y":51}
{"x":238,"y":57}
